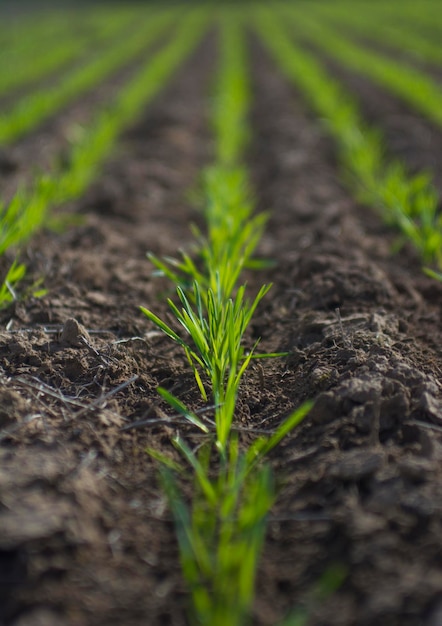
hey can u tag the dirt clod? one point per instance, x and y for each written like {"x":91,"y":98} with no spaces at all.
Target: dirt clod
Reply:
{"x":74,"y":334}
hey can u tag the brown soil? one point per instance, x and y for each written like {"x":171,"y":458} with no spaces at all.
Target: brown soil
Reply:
{"x":85,"y":535}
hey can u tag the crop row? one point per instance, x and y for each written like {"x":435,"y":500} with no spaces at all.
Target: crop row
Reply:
{"x":391,"y":187}
{"x":38,"y":106}
{"x":366,"y":23}
{"x":29,"y":209}
{"x":402,"y":80}
{"x":221,"y":532}
{"x":424,"y":16}
{"x":22,"y":33}
{"x":409,"y":202}
{"x":74,"y":42}
{"x":40,"y":22}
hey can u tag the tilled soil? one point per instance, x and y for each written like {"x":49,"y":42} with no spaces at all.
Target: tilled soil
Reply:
{"x":85,"y":534}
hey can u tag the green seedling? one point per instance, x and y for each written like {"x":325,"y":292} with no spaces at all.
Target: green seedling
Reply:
{"x":232,"y":95}
{"x":233,"y":233}
{"x":73,"y":44}
{"x":221,"y":532}
{"x":369,"y":22}
{"x":214,"y":349}
{"x":432,"y":274}
{"x":31,"y":111}
{"x":8,"y":293}
{"x":407,"y":202}
{"x":29,"y":209}
{"x":330,"y":581}
{"x":233,"y":230}
{"x":410,"y":84}
{"x":8,"y":289}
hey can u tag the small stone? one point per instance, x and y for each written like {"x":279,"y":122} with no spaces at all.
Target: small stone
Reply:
{"x":74,"y":334}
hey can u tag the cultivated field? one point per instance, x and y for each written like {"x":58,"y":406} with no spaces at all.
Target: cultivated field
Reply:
{"x":220,"y":310}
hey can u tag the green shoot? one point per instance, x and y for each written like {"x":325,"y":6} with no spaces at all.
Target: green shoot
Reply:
{"x":29,"y":209}
{"x":214,"y":328}
{"x":220,"y":534}
{"x":408,"y":202}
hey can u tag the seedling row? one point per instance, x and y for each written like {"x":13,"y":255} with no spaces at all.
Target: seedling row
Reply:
{"x":216,"y":474}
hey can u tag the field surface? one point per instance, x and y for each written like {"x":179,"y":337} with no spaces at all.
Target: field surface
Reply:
{"x":87,"y":537}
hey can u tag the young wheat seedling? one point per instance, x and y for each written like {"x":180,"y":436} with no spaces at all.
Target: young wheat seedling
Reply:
{"x":221,"y":533}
